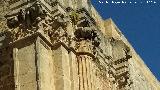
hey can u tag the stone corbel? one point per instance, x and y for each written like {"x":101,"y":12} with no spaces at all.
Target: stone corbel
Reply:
{"x":26,"y":16}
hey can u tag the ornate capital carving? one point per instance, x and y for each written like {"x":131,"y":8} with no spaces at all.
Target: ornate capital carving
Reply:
{"x":87,"y":33}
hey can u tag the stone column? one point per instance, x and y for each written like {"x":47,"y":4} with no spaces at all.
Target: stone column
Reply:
{"x":86,"y":72}
{"x":85,"y":62}
{"x":93,"y":87}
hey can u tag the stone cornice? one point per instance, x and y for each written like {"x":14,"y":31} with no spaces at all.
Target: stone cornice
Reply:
{"x":53,"y":46}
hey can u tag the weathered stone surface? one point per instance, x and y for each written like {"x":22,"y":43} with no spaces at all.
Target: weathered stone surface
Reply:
{"x":66,"y":45}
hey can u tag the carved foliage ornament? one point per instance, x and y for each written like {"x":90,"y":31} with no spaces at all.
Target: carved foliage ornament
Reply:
{"x":27,"y":16}
{"x":87,"y":33}
{"x":26,"y":21}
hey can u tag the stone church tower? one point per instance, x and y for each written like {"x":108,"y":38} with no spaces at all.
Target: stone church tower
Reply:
{"x":65,"y":45}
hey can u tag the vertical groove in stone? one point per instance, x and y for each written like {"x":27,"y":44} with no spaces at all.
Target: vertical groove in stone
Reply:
{"x":84,"y":73}
{"x":16,"y":68}
{"x":93,"y":75}
{"x":83,"y":78}
{"x":81,"y":74}
{"x":88,"y":73}
{"x":78,"y":73}
{"x":77,"y":76}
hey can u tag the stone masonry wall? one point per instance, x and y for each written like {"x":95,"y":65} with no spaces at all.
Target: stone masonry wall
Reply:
{"x":66,"y":45}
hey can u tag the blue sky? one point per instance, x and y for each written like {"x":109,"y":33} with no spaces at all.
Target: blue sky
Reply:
{"x":140,"y":23}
